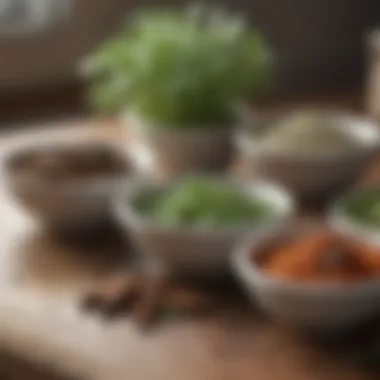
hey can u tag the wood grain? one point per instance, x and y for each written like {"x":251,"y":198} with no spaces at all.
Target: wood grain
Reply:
{"x":42,"y":279}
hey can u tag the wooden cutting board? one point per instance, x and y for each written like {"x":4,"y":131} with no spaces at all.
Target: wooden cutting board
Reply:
{"x":42,"y":279}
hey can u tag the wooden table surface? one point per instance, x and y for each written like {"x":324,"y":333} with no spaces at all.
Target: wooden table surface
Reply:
{"x":42,"y":279}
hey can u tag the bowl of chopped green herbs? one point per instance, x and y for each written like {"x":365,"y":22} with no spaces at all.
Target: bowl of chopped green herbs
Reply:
{"x":193,"y":224}
{"x":358,"y":213}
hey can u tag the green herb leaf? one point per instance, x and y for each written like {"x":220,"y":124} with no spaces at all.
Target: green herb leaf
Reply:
{"x":180,"y":68}
{"x":205,"y":203}
{"x":364,"y":208}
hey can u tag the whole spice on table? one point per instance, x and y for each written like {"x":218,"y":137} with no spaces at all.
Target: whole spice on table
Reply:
{"x":153,"y":292}
{"x":115,"y":295}
{"x":147,"y":299}
{"x":323,"y":257}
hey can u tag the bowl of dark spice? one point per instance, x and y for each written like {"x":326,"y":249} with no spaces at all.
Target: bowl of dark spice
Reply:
{"x":311,"y":278}
{"x":66,"y":185}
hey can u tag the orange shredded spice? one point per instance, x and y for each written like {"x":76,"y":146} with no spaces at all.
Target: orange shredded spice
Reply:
{"x":324,"y":257}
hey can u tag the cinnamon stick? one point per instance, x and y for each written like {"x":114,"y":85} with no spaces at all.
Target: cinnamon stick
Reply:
{"x":119,"y":291}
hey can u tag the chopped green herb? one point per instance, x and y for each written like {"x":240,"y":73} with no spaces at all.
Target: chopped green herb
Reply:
{"x":364,"y":208}
{"x":204,"y":203}
{"x":180,"y":68}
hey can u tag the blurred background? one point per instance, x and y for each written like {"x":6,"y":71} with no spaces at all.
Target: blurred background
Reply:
{"x":320,"y":47}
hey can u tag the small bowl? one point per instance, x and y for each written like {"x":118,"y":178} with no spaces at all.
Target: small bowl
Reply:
{"x":193,"y":251}
{"x":313,"y":175}
{"x":67,"y":203}
{"x":340,"y":219}
{"x":309,"y":308}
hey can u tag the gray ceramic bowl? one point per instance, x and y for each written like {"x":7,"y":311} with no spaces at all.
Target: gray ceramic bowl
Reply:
{"x":175,"y":151}
{"x":327,"y":308}
{"x":187,"y":251}
{"x":67,"y":204}
{"x":312,"y":174}
{"x":342,"y":221}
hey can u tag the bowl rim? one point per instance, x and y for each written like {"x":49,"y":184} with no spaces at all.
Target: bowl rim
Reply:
{"x":86,"y":185}
{"x":124,"y":210}
{"x":341,"y":220}
{"x":249,"y":271}
{"x":251,"y":146}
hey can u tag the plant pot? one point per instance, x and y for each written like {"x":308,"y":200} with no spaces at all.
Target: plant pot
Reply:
{"x":177,"y":151}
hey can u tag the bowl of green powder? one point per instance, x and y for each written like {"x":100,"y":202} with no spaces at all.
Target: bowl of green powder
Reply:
{"x":192,"y":224}
{"x":311,"y":152}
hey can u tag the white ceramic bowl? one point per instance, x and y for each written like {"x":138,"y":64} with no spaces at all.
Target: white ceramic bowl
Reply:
{"x":324,"y":308}
{"x":345,"y":223}
{"x":187,"y":251}
{"x":69,"y":204}
{"x":312,"y":174}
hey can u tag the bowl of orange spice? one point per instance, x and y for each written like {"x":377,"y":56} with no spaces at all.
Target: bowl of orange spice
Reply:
{"x":312,"y":278}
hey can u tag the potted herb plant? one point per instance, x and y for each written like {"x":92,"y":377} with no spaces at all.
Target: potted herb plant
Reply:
{"x":177,"y":77}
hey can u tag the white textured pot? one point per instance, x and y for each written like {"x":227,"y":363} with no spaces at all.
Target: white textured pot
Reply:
{"x":178,"y":151}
